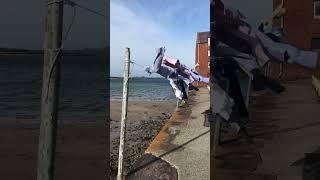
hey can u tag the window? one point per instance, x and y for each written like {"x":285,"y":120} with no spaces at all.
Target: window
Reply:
{"x":208,"y":42}
{"x":209,"y":52}
{"x":315,"y":44}
{"x":316,"y":10}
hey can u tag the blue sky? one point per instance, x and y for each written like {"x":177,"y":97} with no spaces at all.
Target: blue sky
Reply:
{"x":144,"y":25}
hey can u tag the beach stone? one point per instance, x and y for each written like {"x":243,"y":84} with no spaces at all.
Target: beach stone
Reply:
{"x":152,"y":168}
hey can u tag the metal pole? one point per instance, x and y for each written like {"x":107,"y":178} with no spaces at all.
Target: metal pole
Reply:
{"x":50,"y":91}
{"x":124,"y":113}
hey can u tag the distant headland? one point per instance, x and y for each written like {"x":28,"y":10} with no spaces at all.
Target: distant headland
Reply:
{"x":76,"y":52}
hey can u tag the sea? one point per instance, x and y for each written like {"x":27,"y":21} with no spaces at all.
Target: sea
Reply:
{"x":142,"y":89}
{"x":84,"y":89}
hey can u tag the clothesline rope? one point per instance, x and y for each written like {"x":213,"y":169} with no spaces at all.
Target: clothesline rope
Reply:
{"x":136,"y":64}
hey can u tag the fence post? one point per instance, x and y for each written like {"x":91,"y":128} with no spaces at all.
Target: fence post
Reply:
{"x":50,"y":91}
{"x":124,"y":114}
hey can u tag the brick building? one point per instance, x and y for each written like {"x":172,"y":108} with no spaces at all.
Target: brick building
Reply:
{"x":203,"y":53}
{"x":300,"y":20}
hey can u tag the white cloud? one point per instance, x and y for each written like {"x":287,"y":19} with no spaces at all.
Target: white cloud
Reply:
{"x":143,"y":35}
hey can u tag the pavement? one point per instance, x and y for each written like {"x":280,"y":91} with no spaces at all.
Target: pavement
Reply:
{"x":284,"y":127}
{"x":183,"y":143}
{"x":294,"y":120}
{"x":284,"y":130}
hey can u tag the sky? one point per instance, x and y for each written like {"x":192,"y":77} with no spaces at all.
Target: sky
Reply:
{"x":145,"y":25}
{"x":141,"y":25}
{"x":22,"y":24}
{"x":255,"y":11}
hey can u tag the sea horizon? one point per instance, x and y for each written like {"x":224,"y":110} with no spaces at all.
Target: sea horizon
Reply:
{"x":83,"y":92}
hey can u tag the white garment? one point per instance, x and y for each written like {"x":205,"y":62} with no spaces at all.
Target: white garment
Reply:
{"x":246,"y":62}
{"x":264,"y":48}
{"x":251,"y":39}
{"x":223,"y":103}
{"x":277,"y":51}
{"x":197,"y":77}
{"x":177,"y":92}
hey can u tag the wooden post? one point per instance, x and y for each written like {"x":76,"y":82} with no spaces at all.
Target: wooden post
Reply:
{"x":50,"y":91}
{"x":216,"y":135}
{"x":316,"y":84}
{"x":247,"y":96}
{"x":124,"y":114}
{"x":216,"y":122}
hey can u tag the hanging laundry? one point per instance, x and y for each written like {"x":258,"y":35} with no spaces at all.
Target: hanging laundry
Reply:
{"x":184,"y":71}
{"x":169,"y":73}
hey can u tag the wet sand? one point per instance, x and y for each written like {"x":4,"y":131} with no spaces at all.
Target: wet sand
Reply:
{"x":80,"y":151}
{"x":145,"y":119}
{"x":81,"y":148}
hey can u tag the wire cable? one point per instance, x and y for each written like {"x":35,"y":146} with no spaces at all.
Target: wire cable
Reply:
{"x":137,"y":64}
{"x":72,"y":3}
{"x":61,"y":46}
{"x":86,"y":8}
{"x":53,"y":2}
{"x":130,"y":70}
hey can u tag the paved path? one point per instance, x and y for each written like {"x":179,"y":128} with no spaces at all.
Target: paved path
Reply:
{"x":284,"y":126}
{"x":184,"y":140}
{"x":294,"y":119}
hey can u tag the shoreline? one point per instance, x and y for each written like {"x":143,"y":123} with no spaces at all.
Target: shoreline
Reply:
{"x":139,"y":100}
{"x":81,"y":147}
{"x":145,"y":120}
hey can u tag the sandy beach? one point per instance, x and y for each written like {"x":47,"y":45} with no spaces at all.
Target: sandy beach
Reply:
{"x":145,"y":119}
{"x":81,"y":148}
{"x":80,"y":151}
